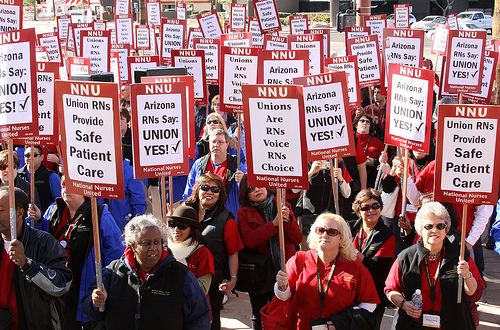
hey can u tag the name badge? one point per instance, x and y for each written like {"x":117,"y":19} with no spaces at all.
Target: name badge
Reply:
{"x":431,"y":320}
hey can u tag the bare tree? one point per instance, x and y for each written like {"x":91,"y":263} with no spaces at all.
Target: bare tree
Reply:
{"x":445,"y":4}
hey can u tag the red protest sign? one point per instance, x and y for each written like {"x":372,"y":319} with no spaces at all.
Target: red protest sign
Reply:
{"x":327,"y":116}
{"x":74,"y":41}
{"x":275,"y":42}
{"x":348,"y":64}
{"x":377,"y":23}
{"x":209,"y":24}
{"x":467,"y":155}
{"x":238,"y":67}
{"x":464,"y":61}
{"x":298,"y":24}
{"x":211,"y":48}
{"x":140,"y":62}
{"x":123,"y":28}
{"x":41,"y":54}
{"x":11,"y":15}
{"x":123,"y":51}
{"x":275,"y":136}
{"x":279,"y":67}
{"x":240,"y":39}
{"x":18,"y":115}
{"x":194,"y":62}
{"x":193,"y":33}
{"x":326,"y":39}
{"x":52,"y":44}
{"x":159,"y":129}
{"x":78,"y":66}
{"x":489,"y":70}
{"x":122,"y":7}
{"x":189,"y":82}
{"x":99,"y":24}
{"x":409,"y":107}
{"x":352,"y":32}
{"x":173,"y":36}
{"x":267,"y":15}
{"x":238,"y":17}
{"x":367,"y":50}
{"x":153,"y":12}
{"x":254,"y":27}
{"x":96,"y":46}
{"x":313,"y":43}
{"x":63,"y":22}
{"x":48,"y":123}
{"x":89,"y":117}
{"x":440,"y":39}
{"x":402,"y":15}
{"x":141,"y":40}
{"x":180,"y":10}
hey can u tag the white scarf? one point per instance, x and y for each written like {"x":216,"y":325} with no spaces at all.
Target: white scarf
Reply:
{"x":182,"y":250}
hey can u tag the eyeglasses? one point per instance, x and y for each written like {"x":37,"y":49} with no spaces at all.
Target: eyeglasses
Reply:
{"x":216,"y":104}
{"x":3,"y":167}
{"x":28,"y":155}
{"x":439,"y":226}
{"x":250,"y":190}
{"x":365,"y":121}
{"x":329,"y":231}
{"x":180,"y":226}
{"x":206,"y":187}
{"x":366,"y":207}
{"x":214,"y":121}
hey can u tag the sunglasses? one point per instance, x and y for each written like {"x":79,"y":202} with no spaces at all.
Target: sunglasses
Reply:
{"x":180,"y":226}
{"x":329,"y":231}
{"x":366,"y":121}
{"x":366,"y":207}
{"x":3,"y":167}
{"x":206,"y":187}
{"x":439,"y":226}
{"x":213,"y":121}
{"x":28,"y":155}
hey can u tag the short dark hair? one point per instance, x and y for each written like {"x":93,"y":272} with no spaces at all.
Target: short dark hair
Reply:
{"x":21,"y":199}
{"x":125,"y":113}
{"x":365,"y":195}
{"x":39,"y":148}
{"x":243,"y":193}
{"x":204,"y":179}
{"x":372,"y":124}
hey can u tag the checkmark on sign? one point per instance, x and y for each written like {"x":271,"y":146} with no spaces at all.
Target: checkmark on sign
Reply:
{"x":175,"y":148}
{"x":474,"y":74}
{"x":419,"y":126}
{"x":340,"y":132}
{"x":23,"y":104}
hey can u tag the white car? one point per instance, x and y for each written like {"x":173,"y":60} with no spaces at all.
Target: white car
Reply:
{"x":390,"y":19}
{"x":428,"y":23}
{"x":461,"y":26}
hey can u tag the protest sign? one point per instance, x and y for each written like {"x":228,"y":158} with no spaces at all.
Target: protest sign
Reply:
{"x":275,"y":136}
{"x":367,"y":50}
{"x":275,"y":42}
{"x":326,"y":39}
{"x":467,"y":156}
{"x":48,"y":129}
{"x":452,"y":21}
{"x":78,"y":66}
{"x":377,"y":23}
{"x":267,"y":15}
{"x":327,"y":116}
{"x":254,"y":27}
{"x":464,"y":61}
{"x":279,"y":67}
{"x":41,"y":54}
{"x":209,"y":24}
{"x":18,"y":115}
{"x":240,"y":39}
{"x":96,"y":45}
{"x":440,"y":39}
{"x":313,"y":43}
{"x":211,"y":48}
{"x":11,"y":15}
{"x":153,"y":12}
{"x":140,"y":62}
{"x":194,"y":62}
{"x":180,"y":10}
{"x":123,"y":28}
{"x":114,"y":66}
{"x":173,"y":34}
{"x":442,"y":92}
{"x":52,"y":44}
{"x":238,"y":67}
{"x":122,"y":7}
{"x":99,"y":25}
{"x":348,"y":64}
{"x":159,"y":129}
{"x":62,"y":28}
{"x":489,"y":70}
{"x":89,"y":117}
{"x":113,"y":36}
{"x":298,"y":24}
{"x":123,"y":51}
{"x":352,"y":32}
{"x":409,"y":107}
{"x":238,"y":17}
{"x":193,"y":33}
{"x":74,"y":41}
{"x":152,"y":41}
{"x":141,"y":37}
{"x":402,"y":15}
{"x":189,"y":81}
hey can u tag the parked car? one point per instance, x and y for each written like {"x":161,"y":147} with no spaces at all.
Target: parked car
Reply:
{"x":477,"y":18}
{"x":390,"y":19}
{"x":468,"y":26}
{"x":428,"y":23}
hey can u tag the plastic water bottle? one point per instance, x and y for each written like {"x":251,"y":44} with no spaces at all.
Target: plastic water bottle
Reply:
{"x":416,"y":299}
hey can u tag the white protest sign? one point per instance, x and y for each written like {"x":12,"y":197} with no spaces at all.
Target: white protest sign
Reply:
{"x":122,"y":7}
{"x":326,"y":39}
{"x":194,"y":33}
{"x":452,"y":21}
{"x":11,"y":15}
{"x":313,"y":43}
{"x":254,"y":27}
{"x":348,"y":64}
{"x":123,"y":27}
{"x":275,"y":42}
{"x":173,"y":33}
{"x":48,"y":131}
{"x":377,"y":23}
{"x":238,"y":17}
{"x":52,"y":44}
{"x":140,"y":62}
{"x":298,"y":24}
{"x":142,"y":37}
{"x":440,"y":40}
{"x":77,"y":28}
{"x":78,"y":66}
{"x":267,"y":14}
{"x":489,"y":70}
{"x":194,"y":62}
{"x":367,"y":50}
{"x":279,"y":67}
{"x":62,"y":27}
{"x":153,"y":11}
{"x":211,"y":48}
{"x":240,"y":39}
{"x":114,"y":66}
{"x":402,"y":15}
{"x":41,"y":54}
{"x":209,"y":24}
{"x":96,"y":45}
{"x":357,"y":31}
{"x":180,"y":10}
{"x":123,"y":52}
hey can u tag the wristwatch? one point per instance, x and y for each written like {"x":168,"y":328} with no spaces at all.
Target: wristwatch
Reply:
{"x":27,"y":265}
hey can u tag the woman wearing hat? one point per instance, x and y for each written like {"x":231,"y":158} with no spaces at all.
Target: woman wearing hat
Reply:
{"x":189,"y":246}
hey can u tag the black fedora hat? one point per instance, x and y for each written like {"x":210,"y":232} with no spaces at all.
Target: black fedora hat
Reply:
{"x":185,"y":214}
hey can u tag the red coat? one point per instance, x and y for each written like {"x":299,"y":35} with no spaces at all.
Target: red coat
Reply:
{"x":255,"y":232}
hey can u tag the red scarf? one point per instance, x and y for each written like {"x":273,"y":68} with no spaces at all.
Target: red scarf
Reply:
{"x":129,"y":255}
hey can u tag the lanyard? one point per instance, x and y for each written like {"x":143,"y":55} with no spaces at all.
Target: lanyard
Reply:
{"x":322,"y":294}
{"x":360,"y":238}
{"x":432,"y":286}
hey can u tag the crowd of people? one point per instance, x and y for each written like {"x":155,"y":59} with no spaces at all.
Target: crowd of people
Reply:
{"x":341,"y":268}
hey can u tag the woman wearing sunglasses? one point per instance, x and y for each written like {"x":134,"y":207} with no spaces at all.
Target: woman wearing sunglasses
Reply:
{"x":258,"y":227}
{"x":374,"y":241}
{"x":433,"y":265}
{"x":329,"y":285}
{"x":218,"y":226}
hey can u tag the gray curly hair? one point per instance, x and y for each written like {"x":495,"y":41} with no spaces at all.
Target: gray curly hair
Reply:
{"x":138,"y":224}
{"x":432,"y":209}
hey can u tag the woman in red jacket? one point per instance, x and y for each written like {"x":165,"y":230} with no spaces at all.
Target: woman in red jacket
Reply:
{"x":258,"y":227}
